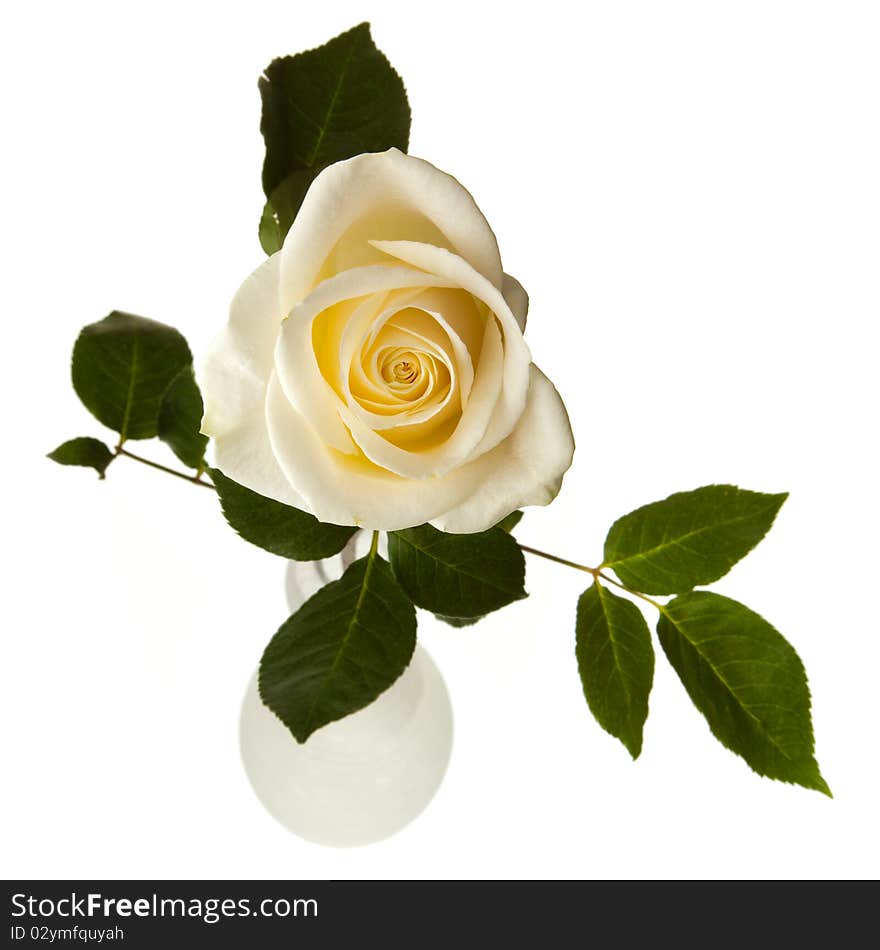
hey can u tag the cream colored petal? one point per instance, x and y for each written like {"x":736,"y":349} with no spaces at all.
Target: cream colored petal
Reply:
{"x":407,"y":326}
{"x":444,"y":337}
{"x":516,"y":354}
{"x":525,"y":469}
{"x":517,"y":299}
{"x":296,"y":363}
{"x":464,"y":315}
{"x":233,"y":379}
{"x":381,"y":195}
{"x":339,"y":489}
{"x":411,"y":462}
{"x":398,"y":410}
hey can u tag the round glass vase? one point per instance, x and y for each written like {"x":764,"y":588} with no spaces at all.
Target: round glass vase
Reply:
{"x":362,"y":778}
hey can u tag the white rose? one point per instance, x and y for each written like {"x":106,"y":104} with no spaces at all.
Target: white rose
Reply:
{"x":374,"y":371}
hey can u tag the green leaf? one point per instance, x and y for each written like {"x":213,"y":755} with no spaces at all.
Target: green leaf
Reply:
{"x":509,"y":522}
{"x":343,"y":648}
{"x":616,"y":663}
{"x":458,"y":575}
{"x":282,"y":207}
{"x":330,"y":103}
{"x":122,"y":366}
{"x":91,"y":453}
{"x":748,"y":682}
{"x":281,"y":529}
{"x":180,"y":418}
{"x":689,"y":539}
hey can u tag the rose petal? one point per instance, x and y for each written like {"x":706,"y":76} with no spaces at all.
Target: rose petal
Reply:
{"x":525,"y":469}
{"x":300,"y":375}
{"x":397,"y":409}
{"x":233,"y":380}
{"x":378,"y":195}
{"x":413,"y":327}
{"x":420,"y":462}
{"x":517,"y":358}
{"x":345,"y":490}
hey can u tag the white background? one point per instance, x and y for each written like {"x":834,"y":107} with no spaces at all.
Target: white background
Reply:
{"x":690,"y":193}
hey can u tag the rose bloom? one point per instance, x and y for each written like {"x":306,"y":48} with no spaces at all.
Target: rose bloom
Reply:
{"x":374,"y":371}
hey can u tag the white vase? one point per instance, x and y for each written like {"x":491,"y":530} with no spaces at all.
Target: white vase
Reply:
{"x":364,"y":777}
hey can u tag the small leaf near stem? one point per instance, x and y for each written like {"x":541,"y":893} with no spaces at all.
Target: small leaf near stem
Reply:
{"x":615,"y":662}
{"x":84,"y":451}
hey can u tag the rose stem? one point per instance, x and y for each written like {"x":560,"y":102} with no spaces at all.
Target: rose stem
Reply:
{"x":595,"y":571}
{"x":195,"y":479}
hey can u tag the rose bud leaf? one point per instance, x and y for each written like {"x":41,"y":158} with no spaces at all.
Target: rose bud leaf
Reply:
{"x":458,"y":575}
{"x":343,"y":648}
{"x":688,"y":539}
{"x":747,"y":681}
{"x":275,"y":527}
{"x":616,"y":663}
{"x":122,"y":366}
{"x":85,"y":451}
{"x":180,"y":416}
{"x":330,"y":103}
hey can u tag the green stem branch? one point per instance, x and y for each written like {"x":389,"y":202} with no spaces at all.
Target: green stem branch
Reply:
{"x":596,"y":572}
{"x":195,"y":479}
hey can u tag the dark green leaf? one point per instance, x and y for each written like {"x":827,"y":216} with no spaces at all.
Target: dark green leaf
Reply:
{"x":616,"y":663}
{"x":510,"y":521}
{"x":91,"y":453}
{"x":330,"y":103}
{"x":122,"y":366}
{"x":281,"y":529}
{"x":180,"y":418}
{"x":343,"y":648}
{"x":282,"y":207}
{"x":748,"y":682}
{"x":458,"y":575}
{"x":690,"y":538}
{"x":505,"y":524}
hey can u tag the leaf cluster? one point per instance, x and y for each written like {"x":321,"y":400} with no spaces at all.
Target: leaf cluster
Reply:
{"x":739,"y":671}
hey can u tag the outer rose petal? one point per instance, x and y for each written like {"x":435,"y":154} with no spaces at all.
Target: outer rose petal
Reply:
{"x":233,"y":381}
{"x":340,"y":490}
{"x":394,"y":196}
{"x":525,"y":469}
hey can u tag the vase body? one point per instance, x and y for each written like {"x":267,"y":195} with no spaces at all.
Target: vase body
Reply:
{"x":364,"y":777}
